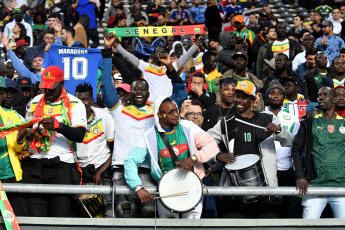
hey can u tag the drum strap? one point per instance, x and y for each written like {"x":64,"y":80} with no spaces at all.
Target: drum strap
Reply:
{"x":167,"y":144}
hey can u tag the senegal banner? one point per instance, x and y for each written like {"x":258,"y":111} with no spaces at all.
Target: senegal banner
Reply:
{"x":157,"y":31}
{"x":10,"y":219}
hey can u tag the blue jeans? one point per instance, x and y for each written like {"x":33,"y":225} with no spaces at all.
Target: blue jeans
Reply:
{"x":314,"y":205}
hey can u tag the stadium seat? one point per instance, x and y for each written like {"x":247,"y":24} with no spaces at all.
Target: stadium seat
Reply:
{"x":288,"y":20}
{"x":286,"y":14}
{"x":282,"y":10}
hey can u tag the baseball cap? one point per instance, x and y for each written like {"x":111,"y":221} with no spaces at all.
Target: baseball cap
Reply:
{"x":271,"y":63}
{"x":21,"y":42}
{"x":289,"y":78}
{"x":51,"y":77}
{"x":23,"y":82}
{"x":310,"y":107}
{"x":10,"y":84}
{"x":240,"y":54}
{"x":239,"y":18}
{"x":125,"y":87}
{"x":2,"y":82}
{"x":326,"y":23}
{"x":247,"y":87}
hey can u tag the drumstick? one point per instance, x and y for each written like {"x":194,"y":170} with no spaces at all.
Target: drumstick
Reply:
{"x":247,"y":123}
{"x":158,"y":197}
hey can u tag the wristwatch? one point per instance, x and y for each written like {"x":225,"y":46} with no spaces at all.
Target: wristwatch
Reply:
{"x":138,"y":187}
{"x":194,"y":158}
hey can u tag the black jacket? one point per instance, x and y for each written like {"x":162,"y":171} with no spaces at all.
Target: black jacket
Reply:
{"x":311,"y":84}
{"x":206,"y":101}
{"x":294,"y":49}
{"x":303,"y":143}
{"x":302,"y":87}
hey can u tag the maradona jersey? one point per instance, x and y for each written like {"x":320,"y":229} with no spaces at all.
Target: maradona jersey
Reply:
{"x":79,"y":65}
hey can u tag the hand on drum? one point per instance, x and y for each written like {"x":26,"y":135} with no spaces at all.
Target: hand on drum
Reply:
{"x":302,"y":186}
{"x":186,"y":164}
{"x":226,"y":157}
{"x":144,"y":196}
{"x":273,"y":128}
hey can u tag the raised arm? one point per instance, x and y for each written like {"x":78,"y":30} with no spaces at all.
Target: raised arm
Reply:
{"x":111,"y":98}
{"x":185,"y":57}
{"x":20,"y":68}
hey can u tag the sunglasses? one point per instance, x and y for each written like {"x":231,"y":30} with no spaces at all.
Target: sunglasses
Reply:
{"x":228,"y":81}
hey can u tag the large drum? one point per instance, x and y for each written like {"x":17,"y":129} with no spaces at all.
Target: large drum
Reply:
{"x":177,"y":181}
{"x":246,"y":171}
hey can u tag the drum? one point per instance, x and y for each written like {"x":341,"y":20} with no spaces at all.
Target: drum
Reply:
{"x":177,"y":181}
{"x":246,"y":171}
{"x":92,"y":205}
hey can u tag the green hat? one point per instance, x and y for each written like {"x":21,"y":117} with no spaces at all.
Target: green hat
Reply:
{"x":18,"y":11}
{"x":2,"y":82}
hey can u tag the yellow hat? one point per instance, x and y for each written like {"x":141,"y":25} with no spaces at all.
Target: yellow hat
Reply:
{"x":247,"y":87}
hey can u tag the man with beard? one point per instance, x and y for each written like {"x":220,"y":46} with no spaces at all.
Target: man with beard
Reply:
{"x":321,"y":140}
{"x":179,"y":16}
{"x":283,"y":70}
{"x":243,"y":138}
{"x":67,"y":36}
{"x":286,"y":177}
{"x":283,"y":45}
{"x":18,"y":17}
{"x":228,"y":42}
{"x":318,"y":77}
{"x":260,"y":61}
{"x":308,"y":43}
{"x":197,"y":13}
{"x":340,"y":100}
{"x":339,"y":70}
{"x":294,"y":103}
{"x":241,"y":74}
{"x":131,"y":121}
{"x":330,"y":44}
{"x":309,"y":64}
{"x":192,"y":146}
{"x":226,"y":90}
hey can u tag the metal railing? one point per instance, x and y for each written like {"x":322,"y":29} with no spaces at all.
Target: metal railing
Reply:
{"x":208,"y":191}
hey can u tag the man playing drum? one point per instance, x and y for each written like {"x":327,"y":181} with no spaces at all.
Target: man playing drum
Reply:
{"x":191,"y":145}
{"x":250,"y":132}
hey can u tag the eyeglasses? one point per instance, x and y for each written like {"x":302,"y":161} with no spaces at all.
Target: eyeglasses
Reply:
{"x":193,"y":114}
{"x":171,"y":111}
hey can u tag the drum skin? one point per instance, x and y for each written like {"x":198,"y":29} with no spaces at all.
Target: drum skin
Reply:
{"x":177,"y":181}
{"x":246,"y":172}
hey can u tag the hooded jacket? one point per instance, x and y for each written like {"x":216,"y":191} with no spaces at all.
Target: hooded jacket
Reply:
{"x":199,"y":142}
{"x":225,"y":61}
{"x":90,"y":9}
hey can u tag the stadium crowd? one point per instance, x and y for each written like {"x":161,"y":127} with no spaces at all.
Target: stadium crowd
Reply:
{"x":136,"y":108}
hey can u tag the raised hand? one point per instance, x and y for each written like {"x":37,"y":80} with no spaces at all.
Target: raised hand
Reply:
{"x":164,"y":58}
{"x":5,"y":41}
{"x":12,"y":4}
{"x":110,"y":40}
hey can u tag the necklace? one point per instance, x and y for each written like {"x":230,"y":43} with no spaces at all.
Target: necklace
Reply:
{"x":221,"y":112}
{"x":89,"y":122}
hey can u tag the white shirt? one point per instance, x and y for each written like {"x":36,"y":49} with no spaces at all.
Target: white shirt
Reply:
{"x":300,"y":59}
{"x":131,"y":122}
{"x":8,"y":31}
{"x":283,"y":154}
{"x":336,"y":26}
{"x":59,"y":144}
{"x":94,"y":148}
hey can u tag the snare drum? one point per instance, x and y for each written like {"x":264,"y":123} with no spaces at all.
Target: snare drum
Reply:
{"x":246,"y":171}
{"x":177,"y":181}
